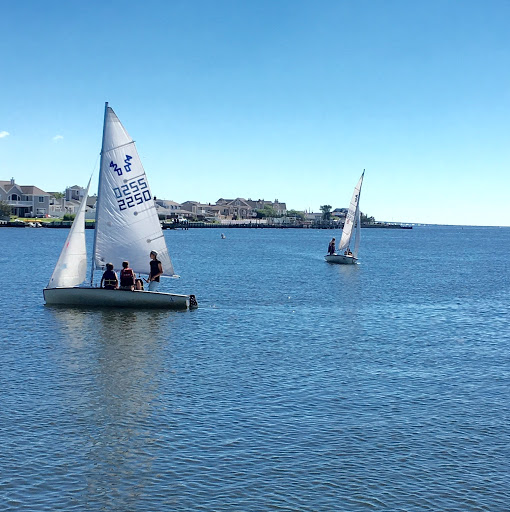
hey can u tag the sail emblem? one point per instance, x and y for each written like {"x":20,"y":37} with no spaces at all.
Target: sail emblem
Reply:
{"x":118,"y":169}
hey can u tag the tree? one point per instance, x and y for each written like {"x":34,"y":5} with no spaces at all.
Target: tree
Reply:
{"x":295,"y":213}
{"x":366,"y":220}
{"x":267,"y":211}
{"x":5,"y":209}
{"x":58,"y":195}
{"x":326,"y":211}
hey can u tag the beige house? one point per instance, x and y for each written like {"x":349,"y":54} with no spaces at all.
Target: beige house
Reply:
{"x":241,"y":208}
{"x":235,"y":208}
{"x":170,"y":209}
{"x":25,"y":200}
{"x":196,"y":209}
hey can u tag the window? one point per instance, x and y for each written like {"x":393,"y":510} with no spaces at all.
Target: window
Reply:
{"x":14,"y":197}
{"x":41,"y":199}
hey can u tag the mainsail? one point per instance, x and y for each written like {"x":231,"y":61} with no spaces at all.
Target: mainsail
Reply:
{"x":71,"y":267}
{"x":127,"y":224}
{"x":352,"y":219}
{"x":357,"y":232}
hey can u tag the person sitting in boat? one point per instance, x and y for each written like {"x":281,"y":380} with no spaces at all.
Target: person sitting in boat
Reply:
{"x":109,"y":280}
{"x":348,"y":252}
{"x":127,"y":277}
{"x":331,"y":246}
{"x":156,"y":271}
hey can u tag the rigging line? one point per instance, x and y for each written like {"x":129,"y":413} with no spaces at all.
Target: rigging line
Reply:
{"x":95,"y":163}
{"x":149,"y":240}
{"x":117,"y":147}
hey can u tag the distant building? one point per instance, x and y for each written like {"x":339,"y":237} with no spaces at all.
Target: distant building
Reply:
{"x":280,"y":208}
{"x":196,"y":209}
{"x":313,"y":217}
{"x":25,"y":200}
{"x":31,"y":201}
{"x":339,"y":213}
{"x":170,"y":209}
{"x":70,"y":202}
{"x":237,"y":208}
{"x":74,"y":193}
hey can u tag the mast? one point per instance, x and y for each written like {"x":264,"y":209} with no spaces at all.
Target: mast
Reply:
{"x":98,"y":196}
{"x":357,"y":217}
{"x":350,"y":218}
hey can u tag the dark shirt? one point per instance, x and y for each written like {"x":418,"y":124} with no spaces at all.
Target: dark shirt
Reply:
{"x":155,"y":269}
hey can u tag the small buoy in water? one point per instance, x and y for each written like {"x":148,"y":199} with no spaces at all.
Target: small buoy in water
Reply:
{"x":223,"y":235}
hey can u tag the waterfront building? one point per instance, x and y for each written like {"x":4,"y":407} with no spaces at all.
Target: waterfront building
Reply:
{"x":259,"y":204}
{"x":25,"y":200}
{"x":170,"y":209}
{"x":235,"y":208}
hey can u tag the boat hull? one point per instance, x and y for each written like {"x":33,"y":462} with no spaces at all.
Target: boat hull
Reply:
{"x":99,"y":297}
{"x":341,"y":259}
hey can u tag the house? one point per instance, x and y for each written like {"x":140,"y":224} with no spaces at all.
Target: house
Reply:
{"x":70,"y":202}
{"x":195,"y":208}
{"x":313,"y":217}
{"x":237,"y":208}
{"x":74,"y":193}
{"x":25,"y":200}
{"x":339,"y":213}
{"x":170,"y":209}
{"x":280,"y":208}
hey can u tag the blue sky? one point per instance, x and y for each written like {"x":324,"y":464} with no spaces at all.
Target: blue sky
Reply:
{"x":272,"y":99}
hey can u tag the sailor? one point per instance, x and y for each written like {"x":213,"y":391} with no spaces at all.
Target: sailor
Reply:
{"x":109,"y":280}
{"x":127,"y":277}
{"x":156,"y":271}
{"x":331,"y":246}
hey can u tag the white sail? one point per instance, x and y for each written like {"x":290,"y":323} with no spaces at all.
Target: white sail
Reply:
{"x":350,"y":218}
{"x":357,"y":232}
{"x":127,"y":224}
{"x":71,"y":267}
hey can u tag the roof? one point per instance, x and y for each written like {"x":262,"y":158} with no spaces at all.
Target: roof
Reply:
{"x":166,"y":202}
{"x":26,"y":189}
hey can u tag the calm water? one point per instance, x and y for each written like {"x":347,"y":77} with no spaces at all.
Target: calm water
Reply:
{"x":297,"y":385}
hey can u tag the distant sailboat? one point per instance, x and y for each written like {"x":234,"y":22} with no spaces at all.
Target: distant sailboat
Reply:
{"x":127,"y":228}
{"x":352,"y":229}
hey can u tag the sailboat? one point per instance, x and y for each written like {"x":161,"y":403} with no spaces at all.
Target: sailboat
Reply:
{"x":127,"y":228}
{"x":352,"y":229}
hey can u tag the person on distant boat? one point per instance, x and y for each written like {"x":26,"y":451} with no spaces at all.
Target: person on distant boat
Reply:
{"x":156,"y":271}
{"x":348,"y":252}
{"x":127,"y":277}
{"x":331,"y":246}
{"x":109,"y":280}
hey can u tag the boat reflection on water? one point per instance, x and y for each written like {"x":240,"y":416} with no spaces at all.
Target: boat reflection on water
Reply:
{"x":113,"y":362}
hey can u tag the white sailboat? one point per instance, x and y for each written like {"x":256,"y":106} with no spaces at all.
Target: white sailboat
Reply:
{"x":352,"y":229}
{"x":127,"y":228}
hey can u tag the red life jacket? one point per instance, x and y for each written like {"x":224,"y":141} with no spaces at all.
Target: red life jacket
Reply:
{"x":127,"y":277}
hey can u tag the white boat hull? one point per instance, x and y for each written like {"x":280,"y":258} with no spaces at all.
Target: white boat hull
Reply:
{"x":99,"y":297}
{"x":341,"y":259}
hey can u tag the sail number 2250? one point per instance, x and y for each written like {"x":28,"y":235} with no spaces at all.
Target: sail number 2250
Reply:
{"x":132,"y":193}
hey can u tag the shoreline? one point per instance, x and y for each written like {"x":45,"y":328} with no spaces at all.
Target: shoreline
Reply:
{"x":66,"y":224}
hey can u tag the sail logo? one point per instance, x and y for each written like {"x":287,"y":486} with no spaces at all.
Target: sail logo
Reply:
{"x":126,"y":168}
{"x":132,"y":193}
